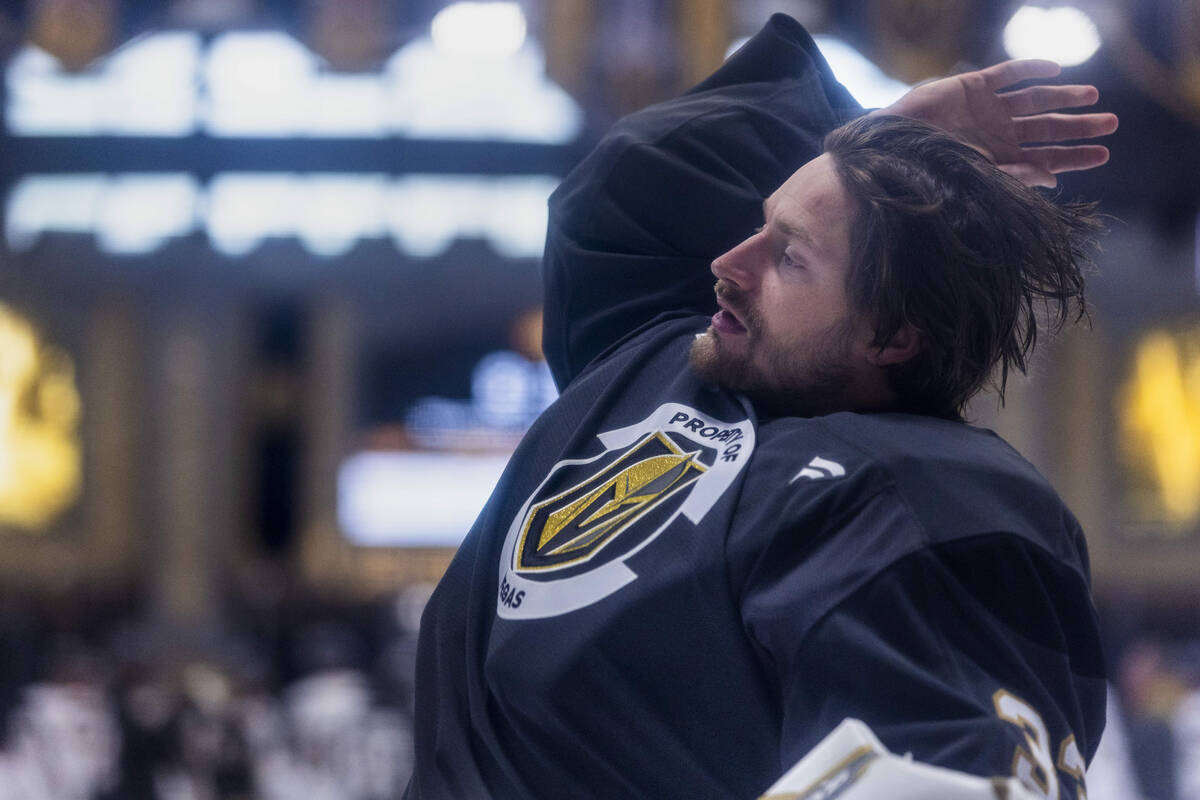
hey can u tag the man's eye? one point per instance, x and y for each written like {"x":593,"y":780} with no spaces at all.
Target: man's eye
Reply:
{"x":788,"y":261}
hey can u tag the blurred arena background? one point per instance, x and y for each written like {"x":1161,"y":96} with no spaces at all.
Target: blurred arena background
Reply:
{"x":269,"y":328}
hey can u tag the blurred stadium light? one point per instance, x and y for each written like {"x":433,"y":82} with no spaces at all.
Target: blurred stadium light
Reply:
{"x":869,"y":84}
{"x":429,"y":497}
{"x":479,"y":31}
{"x":346,"y":106}
{"x":40,"y":459}
{"x":434,"y":92}
{"x":413,"y":499}
{"x":1160,"y":429}
{"x":58,"y":203}
{"x":258,"y":84}
{"x":146,"y":88}
{"x":141,"y":212}
{"x":1065,"y":34}
{"x":268,"y":84}
{"x":338,"y":210}
{"x":508,"y":392}
{"x":477,"y":76}
{"x":426,"y":213}
{"x":329,"y":213}
{"x":245,"y":208}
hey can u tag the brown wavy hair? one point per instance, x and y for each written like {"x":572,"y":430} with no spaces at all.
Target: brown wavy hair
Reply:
{"x":964,"y":253}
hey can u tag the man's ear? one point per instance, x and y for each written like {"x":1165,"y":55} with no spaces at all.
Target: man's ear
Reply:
{"x":903,"y":345}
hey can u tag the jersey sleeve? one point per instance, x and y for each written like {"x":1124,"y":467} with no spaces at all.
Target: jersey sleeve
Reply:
{"x":979,"y":654}
{"x":634,"y":228}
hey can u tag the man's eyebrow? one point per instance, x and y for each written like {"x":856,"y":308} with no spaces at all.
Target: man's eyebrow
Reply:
{"x":789,"y":230}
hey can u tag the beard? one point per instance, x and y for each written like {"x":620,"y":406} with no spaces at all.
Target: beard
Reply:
{"x":805,"y":379}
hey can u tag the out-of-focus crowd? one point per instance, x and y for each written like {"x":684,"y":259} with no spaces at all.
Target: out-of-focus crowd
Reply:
{"x":1158,"y":682}
{"x":315,"y":700}
{"x":320,"y":708}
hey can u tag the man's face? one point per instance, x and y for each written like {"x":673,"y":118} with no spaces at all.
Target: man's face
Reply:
{"x":786,"y":334}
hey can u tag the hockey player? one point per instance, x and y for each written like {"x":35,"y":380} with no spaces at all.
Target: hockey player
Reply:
{"x":736,"y":529}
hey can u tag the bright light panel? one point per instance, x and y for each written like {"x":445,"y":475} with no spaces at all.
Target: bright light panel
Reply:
{"x":335,"y":211}
{"x":150,"y":86}
{"x":480,"y":79}
{"x":433,"y":94}
{"x":42,"y":100}
{"x":40,"y":459}
{"x":515,"y":218}
{"x":347,"y":106}
{"x":736,"y":45}
{"x":424,"y":215}
{"x":1064,"y":34}
{"x":405,"y":499}
{"x":245,"y":208}
{"x":52,"y":203}
{"x":1160,"y":425}
{"x":144,"y":89}
{"x":510,"y":391}
{"x":140,"y":212}
{"x":258,"y":84}
{"x":866,"y":82}
{"x":474,"y":31}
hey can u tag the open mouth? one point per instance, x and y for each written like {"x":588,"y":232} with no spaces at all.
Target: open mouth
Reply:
{"x":725,"y":321}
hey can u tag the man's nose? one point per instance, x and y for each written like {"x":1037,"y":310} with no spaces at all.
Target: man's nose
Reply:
{"x":740,"y":266}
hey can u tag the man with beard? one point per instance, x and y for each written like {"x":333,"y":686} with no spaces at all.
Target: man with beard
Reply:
{"x":734,"y":530}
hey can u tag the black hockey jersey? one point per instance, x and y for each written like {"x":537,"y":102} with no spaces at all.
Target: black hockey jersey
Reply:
{"x":669,"y":595}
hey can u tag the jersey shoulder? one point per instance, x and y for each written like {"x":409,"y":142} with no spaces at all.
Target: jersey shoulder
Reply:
{"x":948,"y":480}
{"x":834,"y":505}
{"x":961,"y":480}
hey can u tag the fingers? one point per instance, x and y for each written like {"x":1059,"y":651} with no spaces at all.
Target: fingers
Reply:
{"x":1037,"y":99}
{"x":1063,"y":127}
{"x":1006,"y":73}
{"x":1039,"y":165}
{"x":1065,"y":159}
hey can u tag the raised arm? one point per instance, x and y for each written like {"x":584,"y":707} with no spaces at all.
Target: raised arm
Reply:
{"x":635,"y":227}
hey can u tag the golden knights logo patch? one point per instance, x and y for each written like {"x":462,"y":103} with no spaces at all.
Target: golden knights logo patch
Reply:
{"x":573,"y":526}
{"x":568,"y":545}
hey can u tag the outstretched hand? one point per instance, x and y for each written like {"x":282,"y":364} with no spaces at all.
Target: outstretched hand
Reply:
{"x":1001,"y":124}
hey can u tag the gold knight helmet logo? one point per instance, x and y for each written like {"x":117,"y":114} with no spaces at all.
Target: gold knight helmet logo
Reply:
{"x":572,"y":542}
{"x":573,"y":526}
